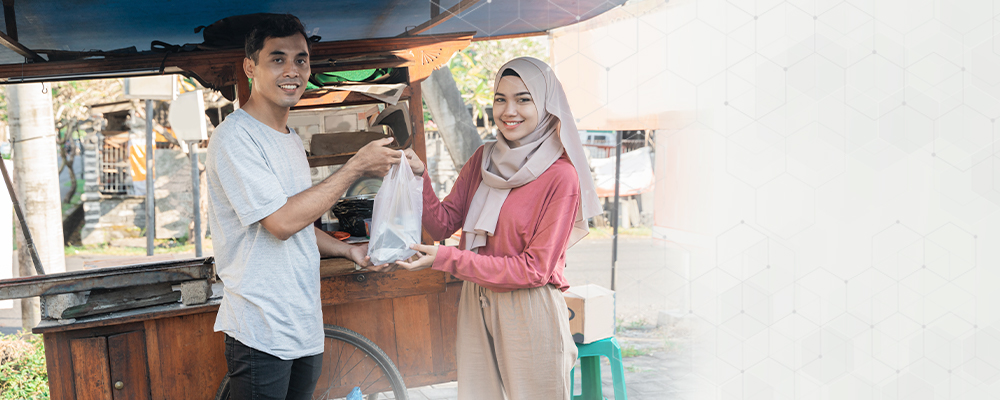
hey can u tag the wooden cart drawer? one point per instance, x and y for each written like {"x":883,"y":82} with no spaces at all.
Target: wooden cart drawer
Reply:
{"x":380,"y":285}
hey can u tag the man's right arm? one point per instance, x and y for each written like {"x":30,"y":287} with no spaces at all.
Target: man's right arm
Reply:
{"x":302,"y":209}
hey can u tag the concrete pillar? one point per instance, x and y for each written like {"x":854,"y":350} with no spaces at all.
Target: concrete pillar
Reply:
{"x":37,"y":184}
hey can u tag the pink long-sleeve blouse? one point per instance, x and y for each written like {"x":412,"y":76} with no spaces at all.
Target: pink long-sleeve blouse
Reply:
{"x":528,"y":248}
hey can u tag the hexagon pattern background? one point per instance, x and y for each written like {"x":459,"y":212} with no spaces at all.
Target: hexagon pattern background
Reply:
{"x":840,"y":171}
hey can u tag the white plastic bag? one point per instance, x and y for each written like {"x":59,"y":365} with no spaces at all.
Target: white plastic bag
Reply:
{"x":396,"y":217}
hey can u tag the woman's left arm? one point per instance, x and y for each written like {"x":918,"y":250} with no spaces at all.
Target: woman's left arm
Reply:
{"x":531,"y":268}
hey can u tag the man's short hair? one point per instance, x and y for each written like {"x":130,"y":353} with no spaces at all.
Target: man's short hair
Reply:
{"x":277,"y":26}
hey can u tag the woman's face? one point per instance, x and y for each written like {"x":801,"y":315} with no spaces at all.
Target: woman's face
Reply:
{"x":514,"y":110}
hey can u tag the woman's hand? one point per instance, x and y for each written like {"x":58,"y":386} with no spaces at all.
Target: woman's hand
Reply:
{"x":424,"y":261}
{"x":416,"y":165}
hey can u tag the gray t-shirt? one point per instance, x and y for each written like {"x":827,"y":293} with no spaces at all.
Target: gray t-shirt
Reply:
{"x":271,"y":300}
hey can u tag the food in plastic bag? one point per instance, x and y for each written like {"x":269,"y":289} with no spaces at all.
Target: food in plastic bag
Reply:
{"x":396,"y":217}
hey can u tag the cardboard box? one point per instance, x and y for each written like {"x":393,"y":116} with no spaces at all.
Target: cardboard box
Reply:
{"x":591,"y":313}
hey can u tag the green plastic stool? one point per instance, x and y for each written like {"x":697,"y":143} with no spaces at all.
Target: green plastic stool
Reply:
{"x":590,"y":366}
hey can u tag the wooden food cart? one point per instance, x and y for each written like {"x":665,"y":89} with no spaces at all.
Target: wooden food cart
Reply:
{"x":169,"y":351}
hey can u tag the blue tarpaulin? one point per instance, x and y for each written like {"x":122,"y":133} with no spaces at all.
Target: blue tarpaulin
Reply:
{"x":115,"y":24}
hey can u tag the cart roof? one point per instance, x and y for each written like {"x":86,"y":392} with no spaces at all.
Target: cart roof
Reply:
{"x":115,"y":24}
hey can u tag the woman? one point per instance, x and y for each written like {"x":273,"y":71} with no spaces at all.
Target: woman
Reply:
{"x":521,"y":202}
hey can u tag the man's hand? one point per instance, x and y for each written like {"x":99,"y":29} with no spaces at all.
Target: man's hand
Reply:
{"x":424,"y":261}
{"x":374,"y":159}
{"x":359,"y":254}
{"x":381,"y":268}
{"x":416,"y":165}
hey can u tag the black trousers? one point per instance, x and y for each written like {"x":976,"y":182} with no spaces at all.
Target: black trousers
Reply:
{"x":256,"y":375}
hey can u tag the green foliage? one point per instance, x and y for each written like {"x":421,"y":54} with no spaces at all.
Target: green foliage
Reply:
{"x":634,"y":369}
{"x":162,"y":246}
{"x":23,"y":374}
{"x":475,"y":67}
{"x":632,"y":351}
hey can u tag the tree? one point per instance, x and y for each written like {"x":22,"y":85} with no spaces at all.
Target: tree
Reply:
{"x":73,"y":121}
{"x":475,"y":67}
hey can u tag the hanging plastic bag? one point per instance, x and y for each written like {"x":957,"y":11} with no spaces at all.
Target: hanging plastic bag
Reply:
{"x":396,"y":217}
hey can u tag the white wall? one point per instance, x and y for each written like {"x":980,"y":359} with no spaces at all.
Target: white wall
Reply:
{"x":838,"y":161}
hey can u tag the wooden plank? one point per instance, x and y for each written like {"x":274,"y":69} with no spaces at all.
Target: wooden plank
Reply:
{"x":511,"y":36}
{"x":59,"y":366}
{"x":157,"y":390}
{"x":242,"y":84}
{"x":103,"y":301}
{"x":90,"y":368}
{"x":9,"y":18}
{"x":17,"y":47}
{"x":379,"y":285}
{"x":336,"y":266}
{"x":337,"y":98}
{"x":437,"y":345}
{"x":106,"y":278}
{"x":417,"y":124}
{"x":371,"y":319}
{"x":127,"y":355}
{"x":151,"y":313}
{"x":439,"y":18}
{"x":191,"y":356}
{"x":414,"y":381}
{"x":448,"y":305}
{"x":413,"y":334}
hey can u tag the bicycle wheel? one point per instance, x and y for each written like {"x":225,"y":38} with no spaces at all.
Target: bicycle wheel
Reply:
{"x":350,"y":361}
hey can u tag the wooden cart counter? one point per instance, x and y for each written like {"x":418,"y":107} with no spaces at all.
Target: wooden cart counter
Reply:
{"x":171,"y":351}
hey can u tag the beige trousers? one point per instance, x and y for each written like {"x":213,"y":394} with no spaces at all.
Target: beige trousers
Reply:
{"x":514,"y":345}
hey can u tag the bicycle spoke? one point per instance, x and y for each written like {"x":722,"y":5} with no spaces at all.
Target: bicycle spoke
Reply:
{"x":368,"y":376}
{"x":356,"y":364}
{"x":373,"y":383}
{"x":346,"y":373}
{"x":325,"y":394}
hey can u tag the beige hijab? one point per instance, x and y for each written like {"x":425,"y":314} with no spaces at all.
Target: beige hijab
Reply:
{"x":505,"y":168}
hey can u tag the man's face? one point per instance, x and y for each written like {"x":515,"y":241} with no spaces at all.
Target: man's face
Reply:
{"x":282,"y":69}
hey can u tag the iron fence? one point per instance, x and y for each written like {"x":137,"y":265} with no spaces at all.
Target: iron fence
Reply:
{"x":114,"y":165}
{"x":605,"y":151}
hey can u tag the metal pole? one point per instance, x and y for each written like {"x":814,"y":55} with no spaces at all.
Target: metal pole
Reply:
{"x":24,"y":224}
{"x":196,"y":195}
{"x":150,"y":205}
{"x":614,"y":217}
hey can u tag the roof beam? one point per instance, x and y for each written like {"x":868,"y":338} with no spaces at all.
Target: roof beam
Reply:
{"x":438,"y":19}
{"x":214,"y":69}
{"x":9,"y":39}
{"x":435,"y":8}
{"x":8,"y":16}
{"x":19,"y":48}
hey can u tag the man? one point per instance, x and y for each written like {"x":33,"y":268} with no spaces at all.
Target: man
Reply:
{"x":261,"y":210}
